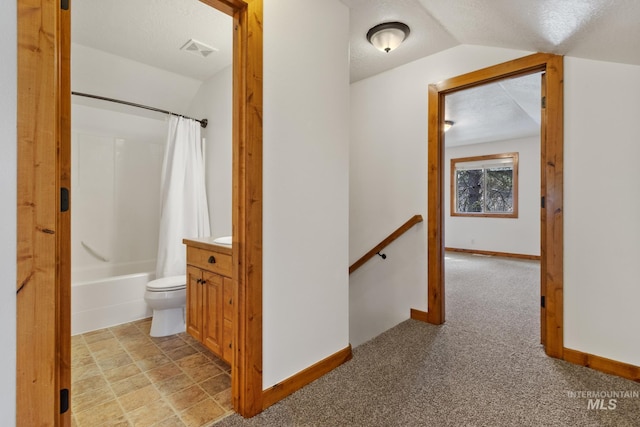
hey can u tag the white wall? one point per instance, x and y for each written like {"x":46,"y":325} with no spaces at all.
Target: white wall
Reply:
{"x":101,"y":73}
{"x":512,"y":235}
{"x":388,"y":184}
{"x":602,"y":205}
{"x":602,"y":240}
{"x":8,"y":88}
{"x":306,"y":139}
{"x":214,"y":101}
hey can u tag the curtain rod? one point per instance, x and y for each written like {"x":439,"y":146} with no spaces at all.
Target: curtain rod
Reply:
{"x":202,"y":122}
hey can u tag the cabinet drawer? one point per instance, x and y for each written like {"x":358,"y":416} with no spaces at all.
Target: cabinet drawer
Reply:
{"x":211,"y":261}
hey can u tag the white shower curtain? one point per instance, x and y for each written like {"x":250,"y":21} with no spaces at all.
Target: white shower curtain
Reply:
{"x":183,"y":210}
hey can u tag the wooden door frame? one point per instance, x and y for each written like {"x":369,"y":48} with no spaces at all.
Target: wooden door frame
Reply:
{"x":43,"y":315}
{"x":551,"y":220}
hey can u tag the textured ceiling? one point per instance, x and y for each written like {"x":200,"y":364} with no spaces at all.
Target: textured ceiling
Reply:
{"x":153,"y":31}
{"x":596,"y":29}
{"x":508,"y":109}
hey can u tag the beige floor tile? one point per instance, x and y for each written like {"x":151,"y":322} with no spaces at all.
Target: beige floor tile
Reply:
{"x":203,"y":372}
{"x":99,"y":414}
{"x":117,"y":361}
{"x":153,"y":362}
{"x":88,"y":384}
{"x":174,"y":421}
{"x":82,"y":361}
{"x":169,"y":343}
{"x":164,"y":372}
{"x":217,"y":384}
{"x":187,"y":398}
{"x":123,"y":377}
{"x":172,"y":385}
{"x":181,"y":352}
{"x":197,"y":359}
{"x":95,"y":336}
{"x":82,"y":372}
{"x":79,"y":351}
{"x":151,"y":414}
{"x":107,"y":343}
{"x":82,"y":402}
{"x":139,"y":398}
{"x":202,"y":413}
{"x":144,"y":352}
{"x":130,"y":384}
{"x":224,"y":399}
{"x":121,"y":373}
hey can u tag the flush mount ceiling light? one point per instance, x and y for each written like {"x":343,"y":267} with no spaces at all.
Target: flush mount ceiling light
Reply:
{"x":388,"y":36}
{"x":448,"y":124}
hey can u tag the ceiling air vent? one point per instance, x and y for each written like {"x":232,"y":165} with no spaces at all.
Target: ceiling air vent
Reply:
{"x":198,"y":48}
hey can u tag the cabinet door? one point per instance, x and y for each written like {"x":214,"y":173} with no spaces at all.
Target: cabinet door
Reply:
{"x":212,"y":312}
{"x":194,"y":302}
{"x":227,"y":329}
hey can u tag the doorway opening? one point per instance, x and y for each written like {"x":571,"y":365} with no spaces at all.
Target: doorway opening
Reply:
{"x":492,"y":187}
{"x":551,"y":177}
{"x":43,"y":229}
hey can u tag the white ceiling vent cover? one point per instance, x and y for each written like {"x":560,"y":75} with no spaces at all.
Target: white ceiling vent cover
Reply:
{"x":198,"y":48}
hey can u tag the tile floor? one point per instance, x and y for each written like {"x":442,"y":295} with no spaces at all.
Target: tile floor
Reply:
{"x":123,"y":377}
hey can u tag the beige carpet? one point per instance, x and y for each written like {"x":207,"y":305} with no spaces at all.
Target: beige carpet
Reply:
{"x":483,"y":367}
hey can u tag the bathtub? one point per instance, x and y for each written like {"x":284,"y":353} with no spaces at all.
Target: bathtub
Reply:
{"x":108,"y":295}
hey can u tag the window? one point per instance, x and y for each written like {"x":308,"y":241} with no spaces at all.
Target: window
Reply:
{"x":485,"y":186}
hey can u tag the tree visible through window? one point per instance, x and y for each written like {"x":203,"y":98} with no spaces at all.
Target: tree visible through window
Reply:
{"x":485,"y":185}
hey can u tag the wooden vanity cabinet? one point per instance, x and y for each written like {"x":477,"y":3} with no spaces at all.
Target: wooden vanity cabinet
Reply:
{"x":210,"y":296}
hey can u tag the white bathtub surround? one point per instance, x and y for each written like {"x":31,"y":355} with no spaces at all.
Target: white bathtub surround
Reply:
{"x":109,"y":296}
{"x":183,"y":211}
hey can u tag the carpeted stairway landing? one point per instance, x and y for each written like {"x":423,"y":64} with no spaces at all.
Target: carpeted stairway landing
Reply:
{"x":483,"y":367}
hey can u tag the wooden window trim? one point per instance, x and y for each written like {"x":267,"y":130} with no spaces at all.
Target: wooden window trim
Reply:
{"x":453,"y":193}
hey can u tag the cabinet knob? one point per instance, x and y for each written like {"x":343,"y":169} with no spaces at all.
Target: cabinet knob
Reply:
{"x":212,"y":259}
{"x":199,"y":281}
{"x":203,"y":282}
{"x":230,"y":301}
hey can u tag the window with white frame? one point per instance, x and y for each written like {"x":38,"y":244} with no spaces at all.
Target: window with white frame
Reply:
{"x":485,"y":186}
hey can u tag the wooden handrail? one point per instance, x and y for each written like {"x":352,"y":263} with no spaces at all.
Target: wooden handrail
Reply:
{"x":393,"y":236}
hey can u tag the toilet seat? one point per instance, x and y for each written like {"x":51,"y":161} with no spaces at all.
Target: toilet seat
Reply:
{"x":166,"y":284}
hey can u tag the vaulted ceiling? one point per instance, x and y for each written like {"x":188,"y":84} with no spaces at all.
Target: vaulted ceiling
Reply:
{"x":152,"y":32}
{"x":607,"y":30}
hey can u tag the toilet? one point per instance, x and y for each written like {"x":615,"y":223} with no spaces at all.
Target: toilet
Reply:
{"x":167,"y":297}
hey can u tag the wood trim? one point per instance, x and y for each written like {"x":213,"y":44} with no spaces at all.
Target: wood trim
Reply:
{"x":602,"y":364}
{"x":420,"y":315}
{"x":551,"y":175}
{"x":304,"y":377}
{"x":63,"y":280}
{"x":42,"y":232}
{"x":494,"y":253}
{"x":552,"y":274}
{"x":42,"y":364}
{"x":435,"y":212}
{"x":452,"y":186}
{"x":393,"y":236}
{"x":246,"y":373}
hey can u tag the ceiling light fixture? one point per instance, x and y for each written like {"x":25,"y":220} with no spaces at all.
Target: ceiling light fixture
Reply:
{"x":448,"y":124}
{"x":388,"y":36}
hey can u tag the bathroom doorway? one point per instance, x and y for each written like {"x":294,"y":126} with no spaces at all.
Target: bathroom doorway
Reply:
{"x":48,"y":333}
